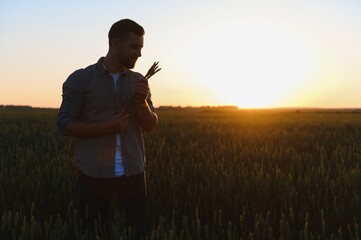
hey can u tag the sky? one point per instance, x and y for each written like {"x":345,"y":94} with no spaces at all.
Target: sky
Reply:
{"x":250,"y":54}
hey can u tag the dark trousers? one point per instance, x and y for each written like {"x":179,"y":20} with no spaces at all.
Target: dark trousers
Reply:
{"x":100,"y":197}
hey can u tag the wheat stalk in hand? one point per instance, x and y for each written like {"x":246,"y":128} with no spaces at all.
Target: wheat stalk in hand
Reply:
{"x":152,"y":70}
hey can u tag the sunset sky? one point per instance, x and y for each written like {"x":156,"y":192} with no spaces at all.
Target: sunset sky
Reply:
{"x":244,"y":53}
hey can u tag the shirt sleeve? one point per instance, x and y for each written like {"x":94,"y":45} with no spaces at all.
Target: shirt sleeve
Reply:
{"x":72,"y":102}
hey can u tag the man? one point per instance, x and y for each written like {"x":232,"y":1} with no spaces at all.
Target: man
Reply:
{"x":106,"y":106}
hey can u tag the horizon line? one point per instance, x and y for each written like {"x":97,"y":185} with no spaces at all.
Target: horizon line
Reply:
{"x":210,"y":106}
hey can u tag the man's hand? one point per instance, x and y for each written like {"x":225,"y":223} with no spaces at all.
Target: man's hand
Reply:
{"x":141,"y":91}
{"x":118,"y":122}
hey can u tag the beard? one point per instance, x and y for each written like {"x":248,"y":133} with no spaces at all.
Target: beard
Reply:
{"x":129,"y":63}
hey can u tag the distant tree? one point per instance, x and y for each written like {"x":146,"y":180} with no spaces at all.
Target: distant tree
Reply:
{"x":16,"y":107}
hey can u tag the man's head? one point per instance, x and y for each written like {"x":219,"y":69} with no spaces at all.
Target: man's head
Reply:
{"x":126,"y":42}
{"x":121,"y":29}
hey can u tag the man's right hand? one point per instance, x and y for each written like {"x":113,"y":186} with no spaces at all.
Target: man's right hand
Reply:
{"x":119,"y":121}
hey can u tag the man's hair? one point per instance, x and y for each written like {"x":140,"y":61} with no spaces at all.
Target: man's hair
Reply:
{"x":122,"y":28}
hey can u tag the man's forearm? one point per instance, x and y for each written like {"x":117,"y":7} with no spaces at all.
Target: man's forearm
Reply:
{"x":147,"y":119}
{"x":87,"y":130}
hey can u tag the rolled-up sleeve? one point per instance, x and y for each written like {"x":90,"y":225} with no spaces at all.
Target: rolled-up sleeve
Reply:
{"x":72,"y":102}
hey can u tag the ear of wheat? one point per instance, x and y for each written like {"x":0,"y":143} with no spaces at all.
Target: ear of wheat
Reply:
{"x":152,"y":70}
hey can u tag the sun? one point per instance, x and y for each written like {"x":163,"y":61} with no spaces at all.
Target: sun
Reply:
{"x":257,"y":66}
{"x":271,"y":65}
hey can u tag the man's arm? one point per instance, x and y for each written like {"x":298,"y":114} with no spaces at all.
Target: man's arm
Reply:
{"x":72,"y":106}
{"x":87,"y":130}
{"x":147,"y":119}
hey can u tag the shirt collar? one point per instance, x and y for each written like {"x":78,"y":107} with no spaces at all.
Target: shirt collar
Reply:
{"x":104,"y":69}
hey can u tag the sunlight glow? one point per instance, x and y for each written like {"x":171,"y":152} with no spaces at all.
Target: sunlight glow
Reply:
{"x":256,"y":66}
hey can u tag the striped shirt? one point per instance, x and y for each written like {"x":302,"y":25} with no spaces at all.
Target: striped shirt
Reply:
{"x":89,"y":95}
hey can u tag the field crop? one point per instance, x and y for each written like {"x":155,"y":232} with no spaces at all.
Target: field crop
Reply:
{"x":211,"y":174}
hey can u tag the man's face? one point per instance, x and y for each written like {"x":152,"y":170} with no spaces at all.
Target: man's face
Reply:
{"x":129,"y":50}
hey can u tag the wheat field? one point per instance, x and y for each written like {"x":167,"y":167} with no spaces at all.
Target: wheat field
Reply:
{"x":212,"y":173}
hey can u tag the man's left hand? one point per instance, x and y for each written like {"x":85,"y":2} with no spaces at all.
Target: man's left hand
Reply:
{"x":141,"y":91}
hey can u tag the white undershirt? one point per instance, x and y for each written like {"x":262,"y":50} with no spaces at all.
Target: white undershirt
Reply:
{"x":118,"y":162}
